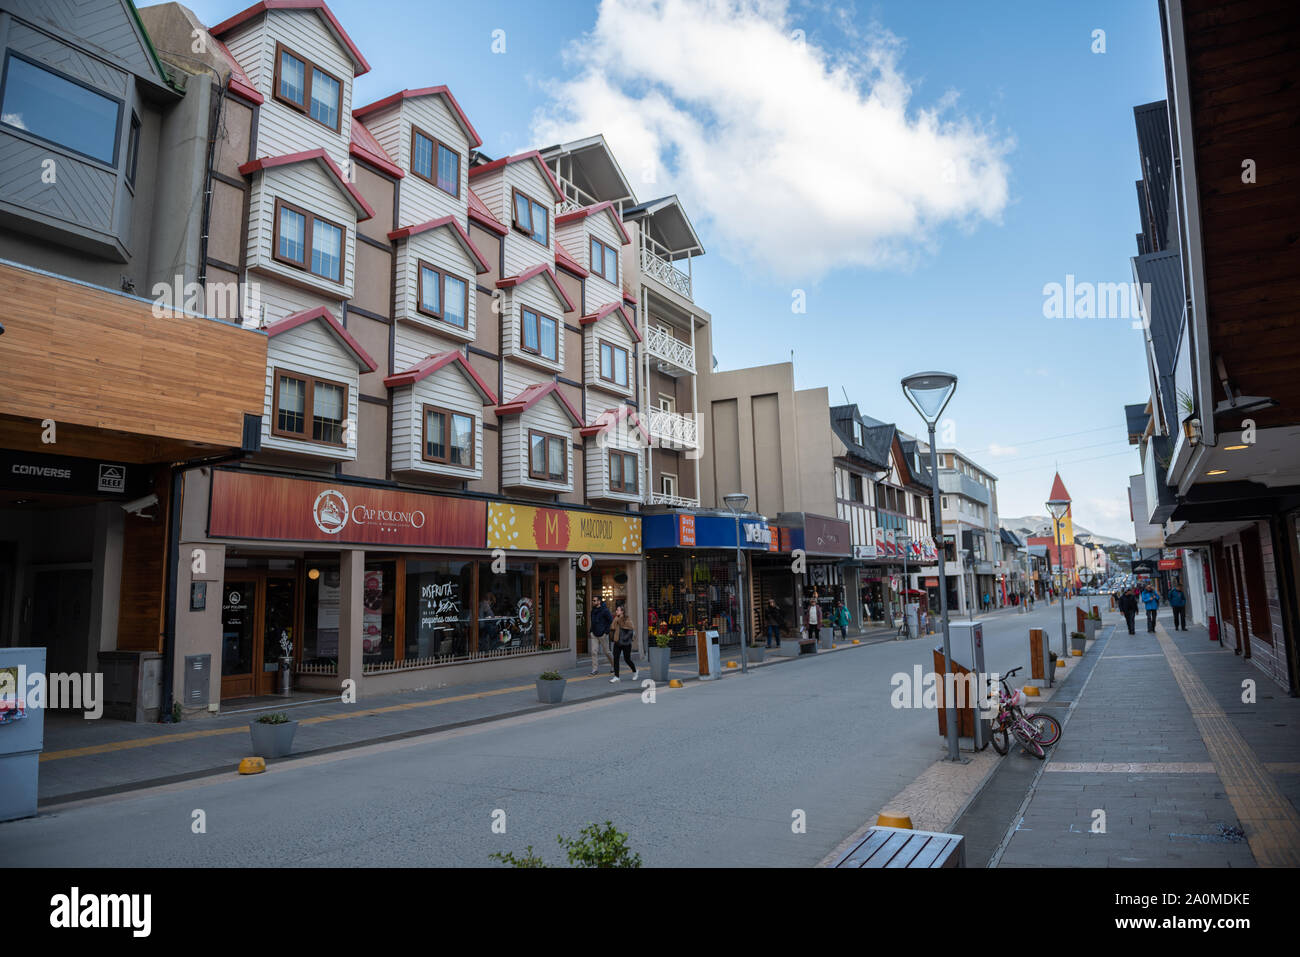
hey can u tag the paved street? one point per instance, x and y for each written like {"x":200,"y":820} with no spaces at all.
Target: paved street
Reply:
{"x":709,"y":774}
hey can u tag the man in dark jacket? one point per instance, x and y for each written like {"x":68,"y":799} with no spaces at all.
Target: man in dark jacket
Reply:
{"x":1129,"y":606}
{"x":774,"y":621}
{"x":1178,"y":602}
{"x":601,"y":618}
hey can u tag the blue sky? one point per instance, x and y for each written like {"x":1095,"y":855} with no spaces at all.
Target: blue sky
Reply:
{"x":918,"y":275}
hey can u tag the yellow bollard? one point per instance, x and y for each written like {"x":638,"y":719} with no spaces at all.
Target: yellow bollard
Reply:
{"x":886,"y":819}
{"x":252,"y":766}
{"x":1030,"y":690}
{"x":675,"y":683}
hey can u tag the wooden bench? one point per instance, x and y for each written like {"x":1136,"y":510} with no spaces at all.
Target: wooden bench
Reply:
{"x":900,"y":847}
{"x":807,"y":646}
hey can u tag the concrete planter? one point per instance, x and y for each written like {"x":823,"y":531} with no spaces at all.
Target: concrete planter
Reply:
{"x":1078,"y":642}
{"x":659,"y":658}
{"x":272,"y":740}
{"x":550,"y":692}
{"x":824,"y":638}
{"x":755,"y":653}
{"x":788,"y":648}
{"x":1090,"y":628}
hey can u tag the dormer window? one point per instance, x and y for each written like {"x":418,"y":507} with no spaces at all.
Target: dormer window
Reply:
{"x":532,"y":218}
{"x":308,"y":408}
{"x":306,"y":241}
{"x":443,"y":296}
{"x":604,"y":261}
{"x":623,"y":468}
{"x":547,"y":457}
{"x":613,"y":364}
{"x":432,"y":161}
{"x":539,"y":334}
{"x":305,"y":87}
{"x":857,"y":432}
{"x":448,"y":437}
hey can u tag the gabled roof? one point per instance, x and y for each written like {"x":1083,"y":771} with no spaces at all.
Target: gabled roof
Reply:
{"x":505,"y":161}
{"x":535,"y":393}
{"x":608,"y":208}
{"x":466,"y":126}
{"x":916,"y":467}
{"x":533,"y":273}
{"x":610,"y":418}
{"x":364,"y":146}
{"x":323,"y":315}
{"x":1058,"y":491}
{"x":670,"y":222}
{"x":590,"y":165}
{"x":238,"y":81}
{"x":876,"y":439}
{"x":331,"y":22}
{"x":480,"y":214}
{"x":450,"y":222}
{"x":564,"y":258}
{"x":605,"y":310}
{"x":432,"y":364}
{"x":320,"y":157}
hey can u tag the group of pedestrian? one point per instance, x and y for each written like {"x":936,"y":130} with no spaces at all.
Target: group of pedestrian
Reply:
{"x":1150,"y":601}
{"x":612,"y":634}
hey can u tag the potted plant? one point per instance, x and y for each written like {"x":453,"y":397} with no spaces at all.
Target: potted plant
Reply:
{"x":550,"y":687}
{"x":659,"y":655}
{"x":1090,"y":625}
{"x":755,"y":649}
{"x":272,"y":735}
{"x":1078,"y":641}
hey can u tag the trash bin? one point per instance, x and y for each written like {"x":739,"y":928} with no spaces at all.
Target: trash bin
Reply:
{"x":710,"y":656}
{"x":286,"y":677}
{"x":22,"y":732}
{"x":970,"y":634}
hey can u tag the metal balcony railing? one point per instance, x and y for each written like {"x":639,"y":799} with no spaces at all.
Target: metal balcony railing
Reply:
{"x":680,"y":501}
{"x":673,"y":429}
{"x":662,"y":344}
{"x":655,"y":262}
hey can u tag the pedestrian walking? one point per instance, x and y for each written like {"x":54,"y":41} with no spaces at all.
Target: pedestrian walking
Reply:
{"x":840,"y":619}
{"x":1151,"y":602}
{"x":598,"y":642}
{"x":621,"y":634}
{"x":1128,"y":606}
{"x":1178,"y":602}
{"x":813,"y":619}
{"x":774,"y":621}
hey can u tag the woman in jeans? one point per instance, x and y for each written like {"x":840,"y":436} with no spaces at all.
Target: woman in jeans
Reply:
{"x":620,"y":633}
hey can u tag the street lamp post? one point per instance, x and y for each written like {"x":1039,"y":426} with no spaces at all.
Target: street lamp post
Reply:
{"x":1058,"y":508}
{"x":905,"y":541}
{"x":737,"y":502}
{"x":929,"y":393}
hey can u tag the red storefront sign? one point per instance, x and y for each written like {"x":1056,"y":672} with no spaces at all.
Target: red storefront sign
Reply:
{"x":686,"y":530}
{"x":1169,"y":564}
{"x":276,"y":508}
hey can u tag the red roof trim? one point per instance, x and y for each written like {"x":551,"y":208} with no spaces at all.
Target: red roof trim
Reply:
{"x":432,"y":364}
{"x":365,"y":147}
{"x":238,"y":82}
{"x":533,"y":273}
{"x":564,"y":259}
{"x":259,"y":8}
{"x":406,"y":232}
{"x":507,"y":160}
{"x":609,"y":418}
{"x":320,"y":156}
{"x":586,"y":211}
{"x":604,"y":311}
{"x":629,"y":298}
{"x":442,"y":91}
{"x":535,"y":393}
{"x":288,"y":323}
{"x":479,"y":212}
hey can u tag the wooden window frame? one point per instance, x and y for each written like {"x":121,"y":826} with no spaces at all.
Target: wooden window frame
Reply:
{"x":443,"y":275}
{"x":432,"y":178}
{"x":132,"y":164}
{"x":615,"y":349}
{"x":523,"y":344}
{"x":606,"y":252}
{"x":308,"y":410}
{"x":546,"y":476}
{"x":630,"y":460}
{"x":664,"y":477}
{"x":305,"y":107}
{"x":311,"y":219}
{"x":515,"y":193}
{"x":424,"y":436}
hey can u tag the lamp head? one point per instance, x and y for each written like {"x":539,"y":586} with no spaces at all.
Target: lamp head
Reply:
{"x":929,"y":393}
{"x":736,"y":501}
{"x":1058,"y":507}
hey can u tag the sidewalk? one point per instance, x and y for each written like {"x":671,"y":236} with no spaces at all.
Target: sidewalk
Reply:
{"x":1161,"y":764}
{"x":84,"y":759}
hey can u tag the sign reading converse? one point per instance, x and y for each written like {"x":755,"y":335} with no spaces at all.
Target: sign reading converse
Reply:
{"x":277,"y":508}
{"x":36,"y":472}
{"x":561,"y":530}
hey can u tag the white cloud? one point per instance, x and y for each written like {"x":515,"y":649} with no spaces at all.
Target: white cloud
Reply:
{"x":998,"y":451}
{"x":801,"y":159}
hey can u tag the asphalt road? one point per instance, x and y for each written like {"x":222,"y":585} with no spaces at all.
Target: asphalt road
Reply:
{"x":711,"y":774}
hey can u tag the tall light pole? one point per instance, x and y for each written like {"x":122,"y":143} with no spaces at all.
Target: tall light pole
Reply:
{"x":929,"y":393}
{"x":1058,"y":507}
{"x":738,"y":502}
{"x":905,"y":541}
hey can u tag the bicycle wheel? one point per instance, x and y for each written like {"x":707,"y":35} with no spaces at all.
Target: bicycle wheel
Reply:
{"x":1048,"y":728}
{"x":1028,"y":743}
{"x":1001,"y":743}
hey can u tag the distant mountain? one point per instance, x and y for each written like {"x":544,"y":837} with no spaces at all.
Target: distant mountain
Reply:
{"x":1040,"y":526}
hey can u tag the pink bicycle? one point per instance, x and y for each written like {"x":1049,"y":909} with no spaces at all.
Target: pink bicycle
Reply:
{"x":1035,"y":732}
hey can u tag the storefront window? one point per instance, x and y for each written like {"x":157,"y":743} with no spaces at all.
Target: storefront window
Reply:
{"x":439,"y":609}
{"x":507,"y":608}
{"x":320,"y":644}
{"x":378,"y":613}
{"x":690,"y":595}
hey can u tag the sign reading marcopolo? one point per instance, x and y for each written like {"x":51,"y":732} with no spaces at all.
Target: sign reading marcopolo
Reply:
{"x":561,"y":530}
{"x":275,"y":508}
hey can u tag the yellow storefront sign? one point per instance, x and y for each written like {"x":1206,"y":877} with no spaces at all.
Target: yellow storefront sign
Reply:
{"x":535,"y":529}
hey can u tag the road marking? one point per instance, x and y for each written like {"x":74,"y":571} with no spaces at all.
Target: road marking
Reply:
{"x":1152,"y":655}
{"x":1270,"y":819}
{"x":1135,"y":767}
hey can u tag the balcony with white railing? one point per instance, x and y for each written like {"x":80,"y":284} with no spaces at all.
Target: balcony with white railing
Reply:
{"x":673,"y":430}
{"x":656,"y":262}
{"x":677,"y":501}
{"x":676,"y":358}
{"x":574,"y":197}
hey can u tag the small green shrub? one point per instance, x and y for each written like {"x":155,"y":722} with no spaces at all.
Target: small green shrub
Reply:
{"x":663,"y":641}
{"x":600,"y":847}
{"x":529,"y":859}
{"x":1077,"y":634}
{"x":277,"y":717}
{"x":551,"y":676}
